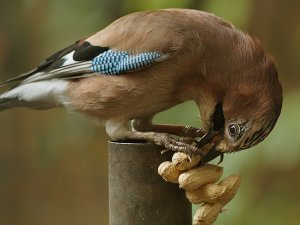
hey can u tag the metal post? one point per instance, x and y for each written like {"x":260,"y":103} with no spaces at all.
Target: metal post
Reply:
{"x":137,"y":194}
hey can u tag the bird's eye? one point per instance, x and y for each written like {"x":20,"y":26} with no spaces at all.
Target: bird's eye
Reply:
{"x":234,"y":129}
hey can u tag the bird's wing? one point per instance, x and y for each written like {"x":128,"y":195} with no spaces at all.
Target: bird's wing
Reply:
{"x":131,"y":43}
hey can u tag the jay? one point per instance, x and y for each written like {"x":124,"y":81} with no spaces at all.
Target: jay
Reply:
{"x":147,"y":62}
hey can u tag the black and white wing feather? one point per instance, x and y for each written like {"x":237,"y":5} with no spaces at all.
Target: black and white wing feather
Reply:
{"x":71,"y":61}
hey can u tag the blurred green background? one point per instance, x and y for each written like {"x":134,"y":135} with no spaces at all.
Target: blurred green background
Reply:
{"x":53,"y":164}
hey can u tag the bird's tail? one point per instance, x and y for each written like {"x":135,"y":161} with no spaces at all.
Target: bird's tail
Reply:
{"x":36,"y":95}
{"x":11,"y":99}
{"x":6,"y":103}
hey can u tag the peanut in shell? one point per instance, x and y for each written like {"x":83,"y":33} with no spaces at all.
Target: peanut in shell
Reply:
{"x":207,"y":193}
{"x":232,"y":184}
{"x":195,"y":178}
{"x":168,"y":172}
{"x":183,"y":162}
{"x":207,"y":213}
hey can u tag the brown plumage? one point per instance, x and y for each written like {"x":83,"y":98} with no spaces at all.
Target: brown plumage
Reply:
{"x":201,"y":57}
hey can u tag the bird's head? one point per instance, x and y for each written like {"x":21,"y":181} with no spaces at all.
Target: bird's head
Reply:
{"x":247,"y":111}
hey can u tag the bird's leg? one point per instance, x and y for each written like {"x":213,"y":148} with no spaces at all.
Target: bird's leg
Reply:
{"x":181,"y":131}
{"x":118,"y":130}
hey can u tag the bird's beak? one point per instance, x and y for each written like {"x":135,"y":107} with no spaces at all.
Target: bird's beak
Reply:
{"x":207,"y":138}
{"x":212,"y":154}
{"x":211,"y":137}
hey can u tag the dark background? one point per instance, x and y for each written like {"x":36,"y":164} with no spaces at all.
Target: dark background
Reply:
{"x":53,"y":164}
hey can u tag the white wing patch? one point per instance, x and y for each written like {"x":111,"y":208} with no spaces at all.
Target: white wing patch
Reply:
{"x":68,"y":59}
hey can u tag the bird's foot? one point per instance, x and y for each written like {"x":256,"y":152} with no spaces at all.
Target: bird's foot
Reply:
{"x":178,"y":144}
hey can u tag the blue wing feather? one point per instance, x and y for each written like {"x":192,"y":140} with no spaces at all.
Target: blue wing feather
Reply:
{"x":117,"y":62}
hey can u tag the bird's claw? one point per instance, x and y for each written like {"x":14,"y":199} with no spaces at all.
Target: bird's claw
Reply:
{"x":164,"y":151}
{"x":221,"y":158}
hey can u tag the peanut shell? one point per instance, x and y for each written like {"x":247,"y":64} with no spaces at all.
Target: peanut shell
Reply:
{"x":232,"y":184}
{"x":207,"y":193}
{"x":183,"y":162}
{"x":195,"y":178}
{"x":168,"y":172}
{"x":207,"y":213}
